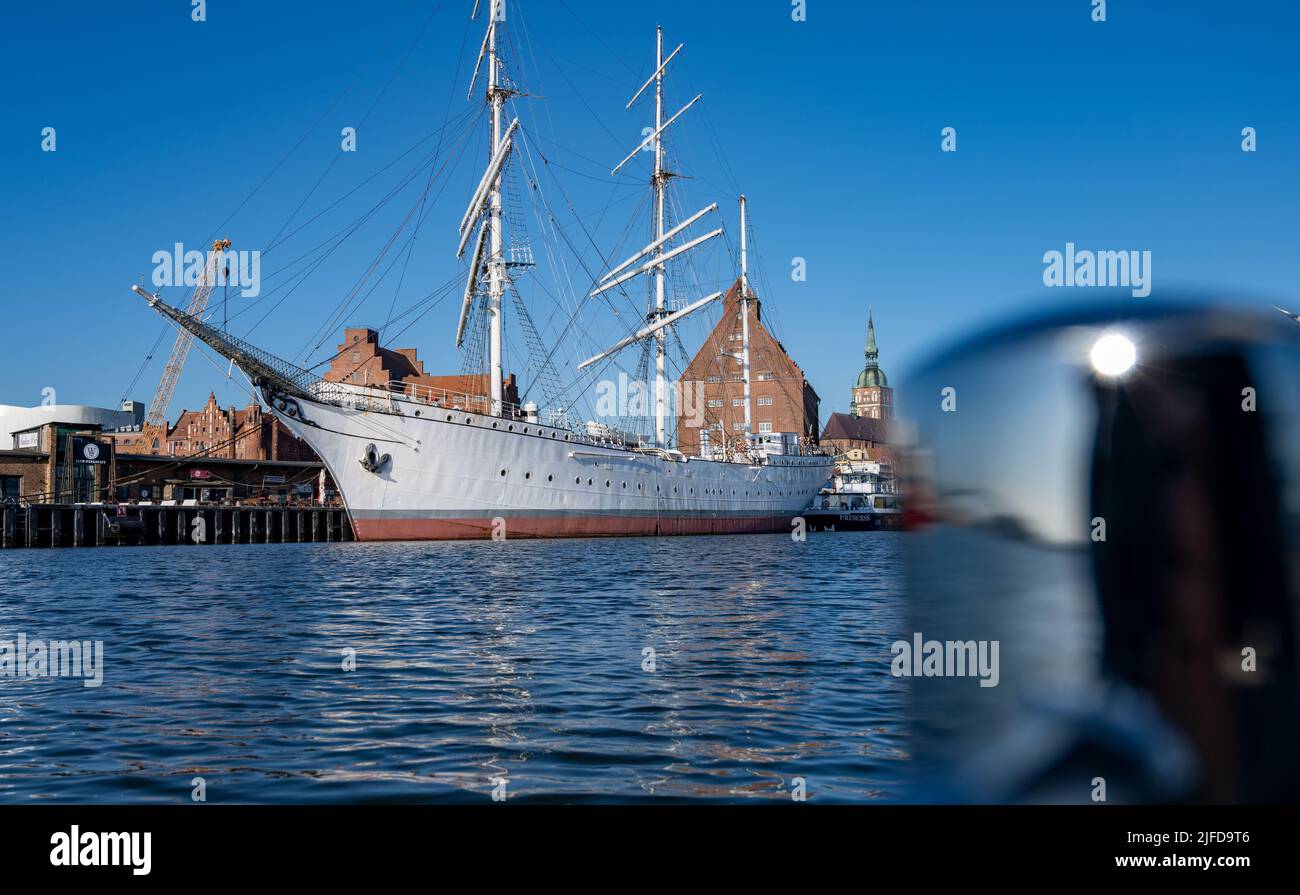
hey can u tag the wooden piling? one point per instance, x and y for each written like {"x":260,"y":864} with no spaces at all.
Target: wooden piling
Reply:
{"x":52,"y":525}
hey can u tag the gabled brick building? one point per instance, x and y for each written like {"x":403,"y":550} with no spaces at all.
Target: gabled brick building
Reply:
{"x":872,"y":437}
{"x":248,"y":434}
{"x":782,"y":399}
{"x":360,"y":360}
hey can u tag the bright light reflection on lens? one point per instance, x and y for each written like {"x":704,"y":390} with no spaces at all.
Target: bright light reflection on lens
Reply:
{"x":1113,"y":355}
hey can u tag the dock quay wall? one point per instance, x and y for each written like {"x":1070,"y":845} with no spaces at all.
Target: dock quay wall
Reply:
{"x":95,"y":525}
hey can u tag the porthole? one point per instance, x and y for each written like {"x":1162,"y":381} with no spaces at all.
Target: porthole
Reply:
{"x":503,"y":472}
{"x":496,"y":425}
{"x":527,"y":475}
{"x":510,"y":428}
{"x":525,"y":430}
{"x":450,"y":417}
{"x":469,"y":420}
{"x":577,"y":481}
{"x":607,"y":483}
{"x":550,"y":478}
{"x":625,"y":486}
{"x":589,"y":481}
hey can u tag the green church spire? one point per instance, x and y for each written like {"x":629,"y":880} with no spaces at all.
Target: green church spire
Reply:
{"x":871,"y":375}
{"x":873,"y":353}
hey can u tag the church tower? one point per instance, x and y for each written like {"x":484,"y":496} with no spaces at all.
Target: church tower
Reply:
{"x":872,"y":396}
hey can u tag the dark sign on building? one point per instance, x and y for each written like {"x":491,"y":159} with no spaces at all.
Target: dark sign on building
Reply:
{"x":89,"y":451}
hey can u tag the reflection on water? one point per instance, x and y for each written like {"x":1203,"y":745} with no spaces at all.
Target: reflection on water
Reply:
{"x":475,"y":662}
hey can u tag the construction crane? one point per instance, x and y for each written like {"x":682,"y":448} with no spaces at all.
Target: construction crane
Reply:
{"x":154,"y":429}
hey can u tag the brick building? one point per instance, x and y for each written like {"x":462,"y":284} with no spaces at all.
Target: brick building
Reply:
{"x":228,"y":433}
{"x":24,"y":473}
{"x":49,"y":472}
{"x":45,"y":469}
{"x":360,"y":360}
{"x":782,"y":399}
{"x":859,"y":437}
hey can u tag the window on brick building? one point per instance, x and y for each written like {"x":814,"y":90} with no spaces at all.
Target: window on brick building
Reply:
{"x":765,"y":427}
{"x":715,"y":402}
{"x":765,"y":402}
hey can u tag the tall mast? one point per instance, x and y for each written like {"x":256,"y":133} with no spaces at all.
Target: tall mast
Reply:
{"x":659,"y":178}
{"x":657,"y":251}
{"x":744,"y":318}
{"x":496,"y":263}
{"x":486,"y":203}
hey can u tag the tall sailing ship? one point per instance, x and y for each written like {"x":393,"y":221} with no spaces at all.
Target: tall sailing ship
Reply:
{"x":413,"y":462}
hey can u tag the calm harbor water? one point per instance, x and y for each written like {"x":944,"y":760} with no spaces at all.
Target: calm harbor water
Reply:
{"x":475,"y":662}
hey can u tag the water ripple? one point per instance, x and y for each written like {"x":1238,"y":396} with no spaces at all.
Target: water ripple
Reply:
{"x":474,"y":662}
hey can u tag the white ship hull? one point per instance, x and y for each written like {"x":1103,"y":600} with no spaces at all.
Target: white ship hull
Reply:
{"x":449,"y":474}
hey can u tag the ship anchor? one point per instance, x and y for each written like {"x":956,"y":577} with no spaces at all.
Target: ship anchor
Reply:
{"x":373,"y":461}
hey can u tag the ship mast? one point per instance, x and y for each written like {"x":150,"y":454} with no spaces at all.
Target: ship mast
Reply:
{"x":496,"y":264}
{"x":658,"y":319}
{"x":744,"y":319}
{"x":659,"y":183}
{"x":488,"y":248}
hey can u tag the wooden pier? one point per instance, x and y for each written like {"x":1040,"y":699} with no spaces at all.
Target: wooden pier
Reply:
{"x":50,"y":525}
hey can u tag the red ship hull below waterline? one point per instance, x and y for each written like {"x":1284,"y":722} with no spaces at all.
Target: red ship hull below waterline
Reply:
{"x":565,"y":527}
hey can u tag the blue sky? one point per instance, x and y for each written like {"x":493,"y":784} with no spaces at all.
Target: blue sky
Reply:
{"x":1116,"y":135}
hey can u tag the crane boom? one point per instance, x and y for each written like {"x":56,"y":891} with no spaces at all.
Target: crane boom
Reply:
{"x":155,"y":423}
